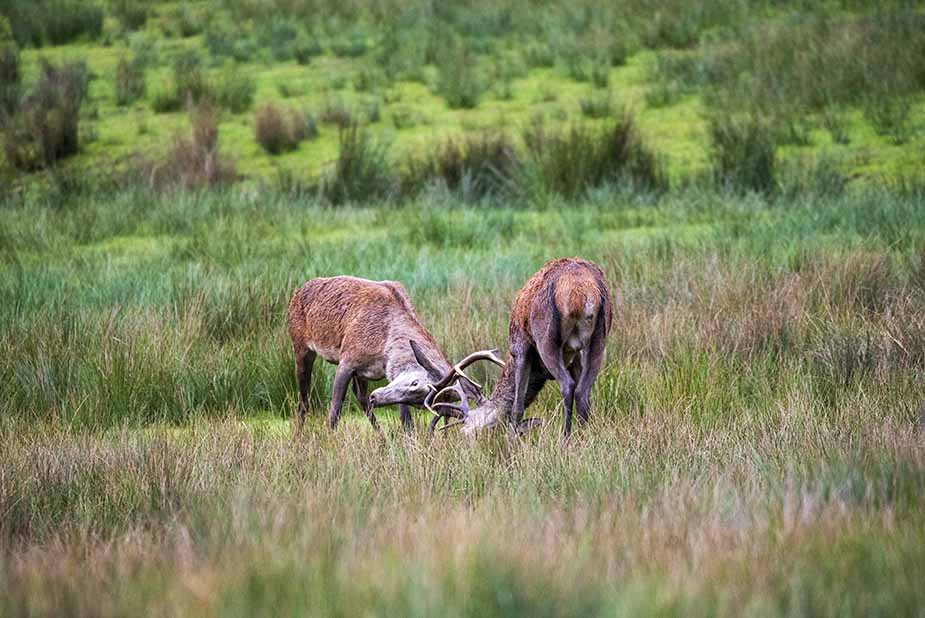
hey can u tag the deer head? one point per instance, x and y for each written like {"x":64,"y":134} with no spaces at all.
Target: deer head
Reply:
{"x":422,"y":380}
{"x":473,"y":420}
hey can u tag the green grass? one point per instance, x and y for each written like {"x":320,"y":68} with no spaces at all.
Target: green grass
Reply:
{"x":755,"y":446}
{"x":676,"y":131}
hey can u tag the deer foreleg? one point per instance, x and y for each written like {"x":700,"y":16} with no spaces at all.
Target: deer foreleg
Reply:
{"x":342,"y":379}
{"x":521,"y":381}
{"x":404,"y":413}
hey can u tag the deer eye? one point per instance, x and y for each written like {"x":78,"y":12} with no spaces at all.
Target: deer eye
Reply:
{"x":415,"y":383}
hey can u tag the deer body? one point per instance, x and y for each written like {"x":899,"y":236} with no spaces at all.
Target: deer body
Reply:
{"x":559,"y":324}
{"x":370,"y":330}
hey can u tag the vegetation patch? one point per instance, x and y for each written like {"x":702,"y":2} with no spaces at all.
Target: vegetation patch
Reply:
{"x":44,"y":126}
{"x":568,"y":161}
{"x":193,"y":161}
{"x":279,"y":130}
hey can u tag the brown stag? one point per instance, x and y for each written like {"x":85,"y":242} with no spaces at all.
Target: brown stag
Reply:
{"x":559,"y":324}
{"x":370,"y":330}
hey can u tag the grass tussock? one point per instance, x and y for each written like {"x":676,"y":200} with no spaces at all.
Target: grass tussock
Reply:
{"x":52,"y":22}
{"x":235,"y":89}
{"x":278,"y":130}
{"x":130,"y":81}
{"x":131,"y":14}
{"x":338,"y":113}
{"x":568,"y":161}
{"x":45,"y":126}
{"x":473,"y":166}
{"x":460,"y":82}
{"x":362,"y":171}
{"x":10,"y":75}
{"x":743,"y":153}
{"x":193,"y":161}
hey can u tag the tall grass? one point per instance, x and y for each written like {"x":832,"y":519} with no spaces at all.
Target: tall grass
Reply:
{"x":473,"y":167}
{"x":779,"y":511}
{"x":570,"y":160}
{"x":192,"y":162}
{"x":185,"y":321}
{"x":44,"y":127}
{"x":754,"y":446}
{"x":870,"y":60}
{"x":362,"y":171}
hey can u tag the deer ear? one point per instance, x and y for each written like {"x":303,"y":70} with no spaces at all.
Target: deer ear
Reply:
{"x":422,"y":359}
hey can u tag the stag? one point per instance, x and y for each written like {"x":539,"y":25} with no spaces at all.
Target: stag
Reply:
{"x":370,"y":330}
{"x":559,"y":324}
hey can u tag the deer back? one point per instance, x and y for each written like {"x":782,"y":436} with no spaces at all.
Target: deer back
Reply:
{"x":365,"y":320}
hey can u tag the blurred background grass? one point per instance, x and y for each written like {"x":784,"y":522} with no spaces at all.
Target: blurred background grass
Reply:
{"x":843,"y":79}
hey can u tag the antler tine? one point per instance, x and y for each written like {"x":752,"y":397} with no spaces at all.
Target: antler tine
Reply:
{"x":489,"y":355}
{"x":457,"y":370}
{"x":460,"y":373}
{"x":429,"y":400}
{"x":433,"y":424}
{"x":458,"y":411}
{"x":463,"y":405}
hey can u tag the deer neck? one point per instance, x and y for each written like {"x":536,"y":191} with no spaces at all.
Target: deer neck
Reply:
{"x":398,"y":351}
{"x":499,"y":405}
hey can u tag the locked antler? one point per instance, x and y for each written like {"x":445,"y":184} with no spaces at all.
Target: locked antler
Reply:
{"x":456,"y":372}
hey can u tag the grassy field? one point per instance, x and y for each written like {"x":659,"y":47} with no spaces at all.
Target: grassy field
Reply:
{"x":840,"y":80}
{"x":756,"y":445}
{"x":747,"y":174}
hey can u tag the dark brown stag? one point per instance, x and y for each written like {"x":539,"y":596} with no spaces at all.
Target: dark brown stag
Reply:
{"x":559,"y":324}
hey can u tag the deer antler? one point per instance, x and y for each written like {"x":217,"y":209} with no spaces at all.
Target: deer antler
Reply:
{"x":456,"y":371}
{"x":456,"y":410}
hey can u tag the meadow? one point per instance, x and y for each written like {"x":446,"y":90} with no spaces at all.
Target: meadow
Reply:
{"x":757,"y":443}
{"x":113,"y":84}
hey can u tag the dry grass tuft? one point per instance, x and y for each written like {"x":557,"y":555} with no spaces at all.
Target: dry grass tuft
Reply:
{"x":279,"y":130}
{"x":194,"y":161}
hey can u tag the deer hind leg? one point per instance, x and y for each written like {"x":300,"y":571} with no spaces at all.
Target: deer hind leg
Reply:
{"x":342,"y":378}
{"x":361,"y":390}
{"x":592,"y":357}
{"x":550,"y":352}
{"x":304,"y":361}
